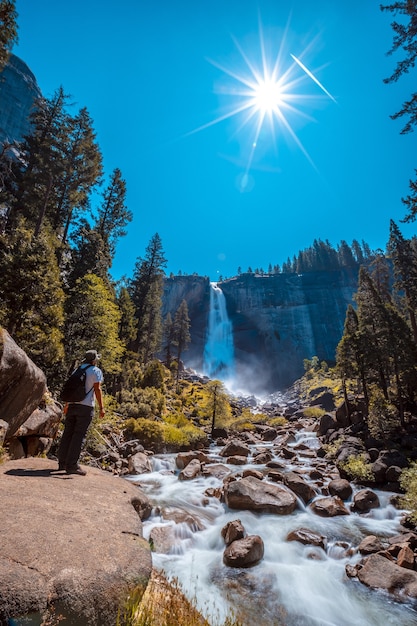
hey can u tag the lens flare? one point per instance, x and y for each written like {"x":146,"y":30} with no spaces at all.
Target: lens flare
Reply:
{"x":267,"y":93}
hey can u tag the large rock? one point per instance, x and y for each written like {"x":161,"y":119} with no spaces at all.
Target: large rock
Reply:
{"x":299,"y":486}
{"x":139,"y":463}
{"x":379,"y":572}
{"x":244,"y":552}
{"x":18,"y":91}
{"x":22,"y":384}
{"x":256,"y":495}
{"x":73,"y":542}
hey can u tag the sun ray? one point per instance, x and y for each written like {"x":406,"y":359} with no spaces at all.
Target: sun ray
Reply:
{"x":268,"y":93}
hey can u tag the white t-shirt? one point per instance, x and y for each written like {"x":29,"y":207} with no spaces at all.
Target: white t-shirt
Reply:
{"x":94,"y":375}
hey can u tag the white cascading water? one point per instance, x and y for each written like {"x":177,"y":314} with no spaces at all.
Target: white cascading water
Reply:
{"x":219,"y":349}
{"x":294,"y":584}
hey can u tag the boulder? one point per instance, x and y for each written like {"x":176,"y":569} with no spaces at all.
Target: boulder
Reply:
{"x":192,"y":470}
{"x":183,"y":458}
{"x":142,"y":505}
{"x":256,"y":495}
{"x":299,"y":486}
{"x":139,"y":463}
{"x":365,"y":500}
{"x":329,"y":507}
{"x":378,"y":572}
{"x":22,"y":384}
{"x":68,"y":541}
{"x":370,"y":545}
{"x":340,"y":487}
{"x":235,"y":448}
{"x":233,"y":531}
{"x":244,"y":552}
{"x":327,"y":422}
{"x":307,"y":537}
{"x":218,"y":470}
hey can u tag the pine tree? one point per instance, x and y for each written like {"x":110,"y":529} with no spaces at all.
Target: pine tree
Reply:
{"x":89,"y":254}
{"x":92,"y":321}
{"x":351,"y":354}
{"x":127,"y":326}
{"x":404,"y":259}
{"x":146,"y":288}
{"x":31,"y":295}
{"x":182,"y":335}
{"x":168,"y":333}
{"x":113,"y":215}
{"x":8,"y":29}
{"x":380,"y":274}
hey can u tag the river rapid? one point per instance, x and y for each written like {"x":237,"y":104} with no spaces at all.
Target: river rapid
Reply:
{"x":294,"y":584}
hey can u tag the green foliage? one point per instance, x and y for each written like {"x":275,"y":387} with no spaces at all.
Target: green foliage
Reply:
{"x":183,"y":435}
{"x":149,"y":433}
{"x":93,"y":322}
{"x":357,"y":468}
{"x":408,"y":482}
{"x":154,"y":375}
{"x":8,"y":29}
{"x":32,"y":296}
{"x":382,"y":415}
{"x":137,"y":402}
{"x":315,"y":412}
{"x":277,"y":422}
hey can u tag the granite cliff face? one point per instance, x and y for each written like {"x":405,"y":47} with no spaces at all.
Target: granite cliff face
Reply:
{"x":277,"y":321}
{"x":18,"y":90}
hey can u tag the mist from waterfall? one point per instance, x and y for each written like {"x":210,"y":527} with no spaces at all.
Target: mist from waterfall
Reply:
{"x":219,"y":349}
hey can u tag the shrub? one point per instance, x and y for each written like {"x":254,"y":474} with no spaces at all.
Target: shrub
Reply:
{"x":314,"y":412}
{"x":408,"y":482}
{"x":149,"y":432}
{"x":277,"y":421}
{"x":383,"y":416}
{"x":357,"y":468}
{"x":154,"y":376}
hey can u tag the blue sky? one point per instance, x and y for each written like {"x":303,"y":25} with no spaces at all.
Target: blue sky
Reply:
{"x":152,"y":72}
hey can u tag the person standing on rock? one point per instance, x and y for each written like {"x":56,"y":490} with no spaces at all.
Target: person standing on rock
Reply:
{"x":79,"y":416}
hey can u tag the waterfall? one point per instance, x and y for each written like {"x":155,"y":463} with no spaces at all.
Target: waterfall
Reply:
{"x":219,"y":350}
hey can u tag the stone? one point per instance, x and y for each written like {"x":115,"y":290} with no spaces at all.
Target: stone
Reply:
{"x":307,"y":537}
{"x":327,"y":422}
{"x":365,"y":500}
{"x":299,"y":486}
{"x":18,"y":91}
{"x":340,"y":487}
{"x":218,"y":470}
{"x":237,"y":460}
{"x":244,"y":552}
{"x":370,"y":545}
{"x":142,"y":505}
{"x":378,"y":572}
{"x":74,"y":542}
{"x":139,"y":463}
{"x":235,"y":448}
{"x":192,"y":470}
{"x":405,"y":558}
{"x":22,"y":384}
{"x":162,"y":539}
{"x":233,"y":531}
{"x":329,"y":507}
{"x":256,"y":495}
{"x":252,"y":472}
{"x":183,"y":458}
{"x":3,"y":430}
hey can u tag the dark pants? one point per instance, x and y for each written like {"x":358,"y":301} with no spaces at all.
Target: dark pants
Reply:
{"x":77,"y":421}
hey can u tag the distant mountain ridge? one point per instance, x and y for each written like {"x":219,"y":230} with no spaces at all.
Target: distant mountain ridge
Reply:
{"x":278,"y":321}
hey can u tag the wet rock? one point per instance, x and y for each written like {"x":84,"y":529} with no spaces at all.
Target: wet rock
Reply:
{"x":329,"y":507}
{"x":252,"y":472}
{"x":340,"y":487}
{"x":370,"y":545}
{"x":365,"y":500}
{"x":179,"y":516}
{"x":327,"y":422}
{"x":287,"y":453}
{"x":267,"y":433}
{"x":142,"y":505}
{"x":235,"y":448}
{"x":184,"y":458}
{"x":307,"y":537}
{"x":192,"y":470}
{"x":299,"y":486}
{"x":139,"y":463}
{"x":393,"y":474}
{"x":378,"y":572}
{"x":218,"y":470}
{"x":262,"y":458}
{"x":256,"y":495}
{"x":244,"y":552}
{"x":162,"y":539}
{"x":405,"y":558}
{"x":233,"y":531}
{"x":237,"y":460}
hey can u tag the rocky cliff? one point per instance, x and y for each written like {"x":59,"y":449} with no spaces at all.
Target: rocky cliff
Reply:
{"x":18,"y":90}
{"x":278,"y":321}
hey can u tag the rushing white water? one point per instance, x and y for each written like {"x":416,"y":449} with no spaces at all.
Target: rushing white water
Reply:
{"x":294,"y":584}
{"x":219,"y":350}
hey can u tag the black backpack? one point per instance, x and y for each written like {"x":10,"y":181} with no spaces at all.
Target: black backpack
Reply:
{"x":74,"y":387}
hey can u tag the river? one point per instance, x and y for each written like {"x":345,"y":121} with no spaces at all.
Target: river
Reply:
{"x":294,"y":584}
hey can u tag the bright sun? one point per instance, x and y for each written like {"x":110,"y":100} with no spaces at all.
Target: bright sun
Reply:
{"x":268,"y":96}
{"x":267,"y":92}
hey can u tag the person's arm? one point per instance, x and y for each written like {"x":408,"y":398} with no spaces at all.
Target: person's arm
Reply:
{"x":99,"y":396}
